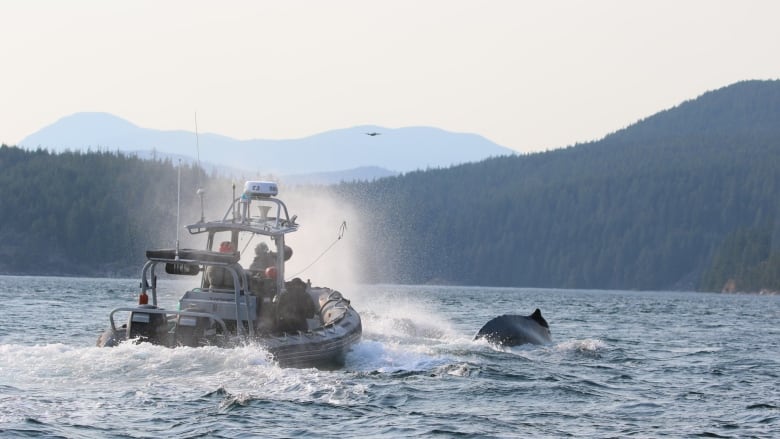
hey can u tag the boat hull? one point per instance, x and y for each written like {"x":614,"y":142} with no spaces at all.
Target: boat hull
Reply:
{"x":324,"y":348}
{"x":331,"y":335}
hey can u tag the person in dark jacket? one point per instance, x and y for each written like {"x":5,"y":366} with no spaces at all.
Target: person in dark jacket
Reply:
{"x":263,"y":259}
{"x":293,"y":307}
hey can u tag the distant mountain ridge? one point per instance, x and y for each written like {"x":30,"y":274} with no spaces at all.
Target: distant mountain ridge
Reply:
{"x":394,"y":149}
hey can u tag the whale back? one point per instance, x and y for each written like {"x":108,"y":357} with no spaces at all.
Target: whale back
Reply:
{"x":514,"y":330}
{"x":537,"y":317}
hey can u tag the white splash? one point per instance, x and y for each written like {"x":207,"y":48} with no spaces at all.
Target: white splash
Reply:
{"x":586,"y":345}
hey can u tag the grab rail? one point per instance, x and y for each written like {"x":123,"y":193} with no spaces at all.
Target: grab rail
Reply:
{"x":167,"y":312}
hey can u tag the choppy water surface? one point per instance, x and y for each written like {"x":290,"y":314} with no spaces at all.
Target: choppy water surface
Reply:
{"x":622,"y":363}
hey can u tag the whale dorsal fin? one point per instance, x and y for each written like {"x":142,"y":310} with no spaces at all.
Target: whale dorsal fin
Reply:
{"x":537,"y":317}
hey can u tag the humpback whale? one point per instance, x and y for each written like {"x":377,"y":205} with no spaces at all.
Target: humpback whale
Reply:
{"x":513,"y":330}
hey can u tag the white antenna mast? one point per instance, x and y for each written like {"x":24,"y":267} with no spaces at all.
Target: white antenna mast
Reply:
{"x":178,"y":210}
{"x":200,"y":190}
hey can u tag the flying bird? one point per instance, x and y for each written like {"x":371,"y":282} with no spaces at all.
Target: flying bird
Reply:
{"x":372,"y":134}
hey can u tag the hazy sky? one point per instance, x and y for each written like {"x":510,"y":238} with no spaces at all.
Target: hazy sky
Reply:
{"x":529,"y":75}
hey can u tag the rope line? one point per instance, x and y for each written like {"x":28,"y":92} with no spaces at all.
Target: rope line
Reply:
{"x":342,"y":230}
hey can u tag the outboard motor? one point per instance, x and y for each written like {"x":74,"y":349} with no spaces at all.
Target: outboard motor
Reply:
{"x":147,"y":327}
{"x":193,"y":331}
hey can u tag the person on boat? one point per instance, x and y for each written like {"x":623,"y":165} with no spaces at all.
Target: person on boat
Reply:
{"x":219,"y":277}
{"x":287,"y":253}
{"x":263,"y":259}
{"x":293,"y":307}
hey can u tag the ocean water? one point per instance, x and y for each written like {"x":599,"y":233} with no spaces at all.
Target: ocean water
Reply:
{"x":642,"y":364}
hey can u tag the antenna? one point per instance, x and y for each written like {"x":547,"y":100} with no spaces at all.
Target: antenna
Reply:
{"x":234,"y":204}
{"x":178,"y":210}
{"x":200,"y":190}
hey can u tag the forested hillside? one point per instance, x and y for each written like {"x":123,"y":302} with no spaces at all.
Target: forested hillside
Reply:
{"x":685,"y":199}
{"x":85,"y":213}
{"x":644,"y":208}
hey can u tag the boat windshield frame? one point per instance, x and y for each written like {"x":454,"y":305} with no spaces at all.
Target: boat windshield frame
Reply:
{"x":239,"y":218}
{"x":239,"y":277}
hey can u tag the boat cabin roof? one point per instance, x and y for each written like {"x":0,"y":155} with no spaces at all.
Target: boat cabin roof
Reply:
{"x":271,"y":218}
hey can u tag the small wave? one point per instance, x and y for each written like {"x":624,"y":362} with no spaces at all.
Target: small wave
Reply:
{"x":586,"y":345}
{"x":459,"y":370}
{"x":219,"y":392}
{"x":236,"y":401}
{"x":642,"y":409}
{"x":694,"y":350}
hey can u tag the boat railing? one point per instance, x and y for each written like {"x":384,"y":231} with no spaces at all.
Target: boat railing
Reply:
{"x":166,"y":312}
{"x":239,"y":217}
{"x":214,"y":259}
